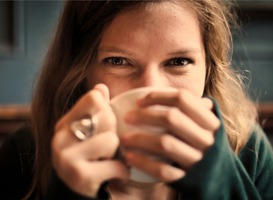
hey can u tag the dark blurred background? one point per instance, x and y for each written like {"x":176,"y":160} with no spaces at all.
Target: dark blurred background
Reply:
{"x":26,"y":28}
{"x":253,"y":48}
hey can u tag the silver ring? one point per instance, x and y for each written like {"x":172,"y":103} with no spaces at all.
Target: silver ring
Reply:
{"x":84,"y":128}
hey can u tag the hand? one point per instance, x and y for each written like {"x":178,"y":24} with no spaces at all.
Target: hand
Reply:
{"x":191,"y":126}
{"x":85,"y":165}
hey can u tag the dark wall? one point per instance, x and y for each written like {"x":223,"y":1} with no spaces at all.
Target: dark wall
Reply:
{"x":253,"y":47}
{"x":26,"y":29}
{"x":25,"y":35}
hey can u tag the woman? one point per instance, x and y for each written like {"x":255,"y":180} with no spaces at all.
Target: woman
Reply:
{"x":104,"y":48}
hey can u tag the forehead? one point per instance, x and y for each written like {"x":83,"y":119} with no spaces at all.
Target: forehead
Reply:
{"x":176,"y":22}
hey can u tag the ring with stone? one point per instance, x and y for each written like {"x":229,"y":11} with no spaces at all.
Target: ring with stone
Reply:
{"x":84,"y":128}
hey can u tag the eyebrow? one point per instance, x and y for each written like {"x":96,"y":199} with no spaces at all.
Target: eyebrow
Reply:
{"x":114,"y":50}
{"x":176,"y":52}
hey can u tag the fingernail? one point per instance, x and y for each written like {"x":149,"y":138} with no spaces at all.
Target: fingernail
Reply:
{"x":130,"y":117}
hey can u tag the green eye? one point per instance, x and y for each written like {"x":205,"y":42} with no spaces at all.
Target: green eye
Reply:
{"x":179,"y":62}
{"x":115,"y":61}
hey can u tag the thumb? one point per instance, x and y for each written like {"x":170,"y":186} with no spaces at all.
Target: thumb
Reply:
{"x":103,"y":89}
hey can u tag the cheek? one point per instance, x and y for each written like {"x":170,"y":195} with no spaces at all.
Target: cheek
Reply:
{"x":115,"y":87}
{"x":95,"y":75}
{"x":199,"y":83}
{"x":193,"y":82}
{"x":197,"y":89}
{"x":199,"y":80}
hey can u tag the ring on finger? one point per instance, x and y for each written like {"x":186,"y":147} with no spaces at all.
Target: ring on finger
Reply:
{"x":84,"y":128}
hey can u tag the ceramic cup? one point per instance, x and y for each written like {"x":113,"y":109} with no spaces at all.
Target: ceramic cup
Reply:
{"x":122,"y":104}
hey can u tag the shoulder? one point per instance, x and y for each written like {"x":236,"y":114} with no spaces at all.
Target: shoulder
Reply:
{"x":257,"y":154}
{"x":257,"y":143}
{"x":21,"y":142}
{"x":24,"y":134}
{"x":16,"y":167}
{"x":18,"y":149}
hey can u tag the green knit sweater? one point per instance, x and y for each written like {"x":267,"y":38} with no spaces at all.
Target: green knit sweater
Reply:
{"x":222,"y":174}
{"x":219,"y":175}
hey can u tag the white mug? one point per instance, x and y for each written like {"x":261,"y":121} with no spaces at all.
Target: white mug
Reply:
{"x":125,"y":102}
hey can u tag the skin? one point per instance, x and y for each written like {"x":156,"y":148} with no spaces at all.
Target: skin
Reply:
{"x":141,"y":47}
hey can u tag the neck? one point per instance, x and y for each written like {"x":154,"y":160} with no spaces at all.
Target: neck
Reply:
{"x":140,"y":191}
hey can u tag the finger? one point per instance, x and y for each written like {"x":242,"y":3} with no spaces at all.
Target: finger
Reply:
{"x":188,"y":104}
{"x":63,"y":138}
{"x":104,"y":90}
{"x":160,"y":170}
{"x":88,"y":105}
{"x":208,"y":103}
{"x":92,"y":105}
{"x":164,"y":145}
{"x":98,"y":147}
{"x":83,"y":177}
{"x":176,"y":122}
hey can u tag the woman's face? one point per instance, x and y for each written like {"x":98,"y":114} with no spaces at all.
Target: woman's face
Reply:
{"x":158,"y":46}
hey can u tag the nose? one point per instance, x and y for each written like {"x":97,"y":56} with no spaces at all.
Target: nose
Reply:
{"x":152,"y":77}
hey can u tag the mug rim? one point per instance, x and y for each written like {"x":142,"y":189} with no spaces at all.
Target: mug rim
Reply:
{"x":135,"y":90}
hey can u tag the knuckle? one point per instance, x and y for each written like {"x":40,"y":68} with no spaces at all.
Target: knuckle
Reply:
{"x":112,"y":120}
{"x":89,"y":98}
{"x":106,"y":122}
{"x":183,"y":96}
{"x":93,"y":97}
{"x":171,"y":116}
{"x":217,"y":124}
{"x":207,"y":102}
{"x":199,"y":155}
{"x":165,"y":143}
{"x":163,"y":172}
{"x":113,"y":140}
{"x":208,"y":140}
{"x":150,"y":96}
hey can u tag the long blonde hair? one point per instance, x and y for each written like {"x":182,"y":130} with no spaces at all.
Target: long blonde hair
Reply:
{"x":223,"y":82}
{"x":63,"y":77}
